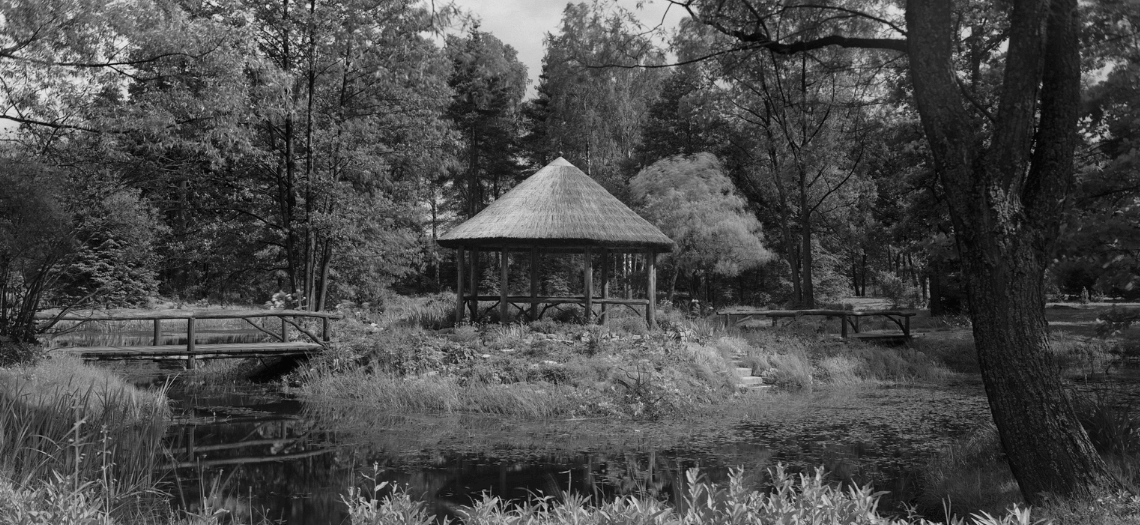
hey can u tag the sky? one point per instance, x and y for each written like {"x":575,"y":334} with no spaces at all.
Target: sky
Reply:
{"x":523,"y":23}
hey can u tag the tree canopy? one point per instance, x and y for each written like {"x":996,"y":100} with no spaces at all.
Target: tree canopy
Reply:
{"x":696,"y":205}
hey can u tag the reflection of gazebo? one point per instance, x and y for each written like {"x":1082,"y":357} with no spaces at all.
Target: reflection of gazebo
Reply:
{"x":557,"y":210}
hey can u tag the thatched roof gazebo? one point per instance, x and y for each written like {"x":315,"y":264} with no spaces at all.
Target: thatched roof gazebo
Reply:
{"x":559,"y":209}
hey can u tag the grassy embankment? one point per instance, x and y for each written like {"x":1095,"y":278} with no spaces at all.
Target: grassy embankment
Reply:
{"x":548,"y":369}
{"x":79,"y":446}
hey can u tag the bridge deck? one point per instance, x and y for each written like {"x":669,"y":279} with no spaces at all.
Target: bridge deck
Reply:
{"x":162,"y":352}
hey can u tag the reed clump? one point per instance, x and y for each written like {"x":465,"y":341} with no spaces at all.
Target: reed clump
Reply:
{"x":77,"y":444}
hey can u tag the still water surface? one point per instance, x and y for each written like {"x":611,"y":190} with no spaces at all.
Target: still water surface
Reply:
{"x":256,"y":452}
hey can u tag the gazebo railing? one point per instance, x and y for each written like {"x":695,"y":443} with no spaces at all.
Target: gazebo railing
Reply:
{"x":550,"y":301}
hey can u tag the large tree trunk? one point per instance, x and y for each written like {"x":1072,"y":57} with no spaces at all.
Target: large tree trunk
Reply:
{"x":1047,"y":448}
{"x":1005,"y":200}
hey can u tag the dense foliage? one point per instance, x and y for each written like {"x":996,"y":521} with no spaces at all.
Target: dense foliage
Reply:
{"x":226,"y":152}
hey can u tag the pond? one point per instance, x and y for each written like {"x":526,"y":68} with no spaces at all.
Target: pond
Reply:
{"x":258,"y":453}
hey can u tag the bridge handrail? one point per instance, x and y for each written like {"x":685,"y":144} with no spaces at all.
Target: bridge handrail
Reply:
{"x":163,"y":315}
{"x":846,"y":317}
{"x":191,"y":316}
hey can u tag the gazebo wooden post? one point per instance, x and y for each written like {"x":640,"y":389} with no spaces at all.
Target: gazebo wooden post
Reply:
{"x":473,"y":300}
{"x":605,"y":284}
{"x":459,"y":301}
{"x":588,"y":291}
{"x":626,"y":263}
{"x":504,"y":285}
{"x":651,"y":289}
{"x":533,"y":284}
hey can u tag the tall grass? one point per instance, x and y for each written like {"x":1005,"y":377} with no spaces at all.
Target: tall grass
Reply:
{"x":972,"y":475}
{"x":432,"y":312}
{"x":792,"y":500}
{"x":796,"y":361}
{"x":77,"y":434}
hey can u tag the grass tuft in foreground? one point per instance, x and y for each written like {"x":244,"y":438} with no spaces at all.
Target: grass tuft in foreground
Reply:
{"x":80,"y":446}
{"x":792,"y":500}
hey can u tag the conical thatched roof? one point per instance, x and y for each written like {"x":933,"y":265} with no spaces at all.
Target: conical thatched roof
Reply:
{"x":558,"y":206}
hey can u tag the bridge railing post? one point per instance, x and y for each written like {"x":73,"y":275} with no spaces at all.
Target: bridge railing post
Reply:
{"x":325,"y":334}
{"x":157,"y":332}
{"x":190,"y":343}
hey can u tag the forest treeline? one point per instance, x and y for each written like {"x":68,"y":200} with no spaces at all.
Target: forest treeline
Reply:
{"x":231,"y":150}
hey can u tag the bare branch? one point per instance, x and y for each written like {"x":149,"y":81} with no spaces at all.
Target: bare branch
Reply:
{"x":973,"y":101}
{"x":762,"y":41}
{"x":858,"y":14}
{"x":52,"y":125}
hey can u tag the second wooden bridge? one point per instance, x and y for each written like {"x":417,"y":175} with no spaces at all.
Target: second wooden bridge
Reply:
{"x":280,"y":346}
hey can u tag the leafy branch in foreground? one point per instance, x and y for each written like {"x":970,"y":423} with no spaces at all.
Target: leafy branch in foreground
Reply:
{"x":803,"y":499}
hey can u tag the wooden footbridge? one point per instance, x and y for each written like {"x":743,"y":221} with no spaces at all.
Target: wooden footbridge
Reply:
{"x":847,"y":319}
{"x":184,"y":326}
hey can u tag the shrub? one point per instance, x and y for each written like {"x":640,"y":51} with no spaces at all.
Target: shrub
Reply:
{"x":1111,"y":428}
{"x":628,"y":324}
{"x":895,"y":288}
{"x":569,"y":314}
{"x":546,"y":326}
{"x":431,"y":312}
{"x":70,"y":238}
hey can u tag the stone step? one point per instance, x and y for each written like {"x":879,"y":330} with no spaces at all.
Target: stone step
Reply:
{"x":753,"y":388}
{"x":744,"y":371}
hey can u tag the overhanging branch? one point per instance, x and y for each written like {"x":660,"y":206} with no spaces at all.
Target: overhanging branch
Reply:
{"x":761,"y":41}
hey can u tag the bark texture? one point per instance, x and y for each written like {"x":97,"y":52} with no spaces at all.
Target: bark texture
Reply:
{"x":997,"y":196}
